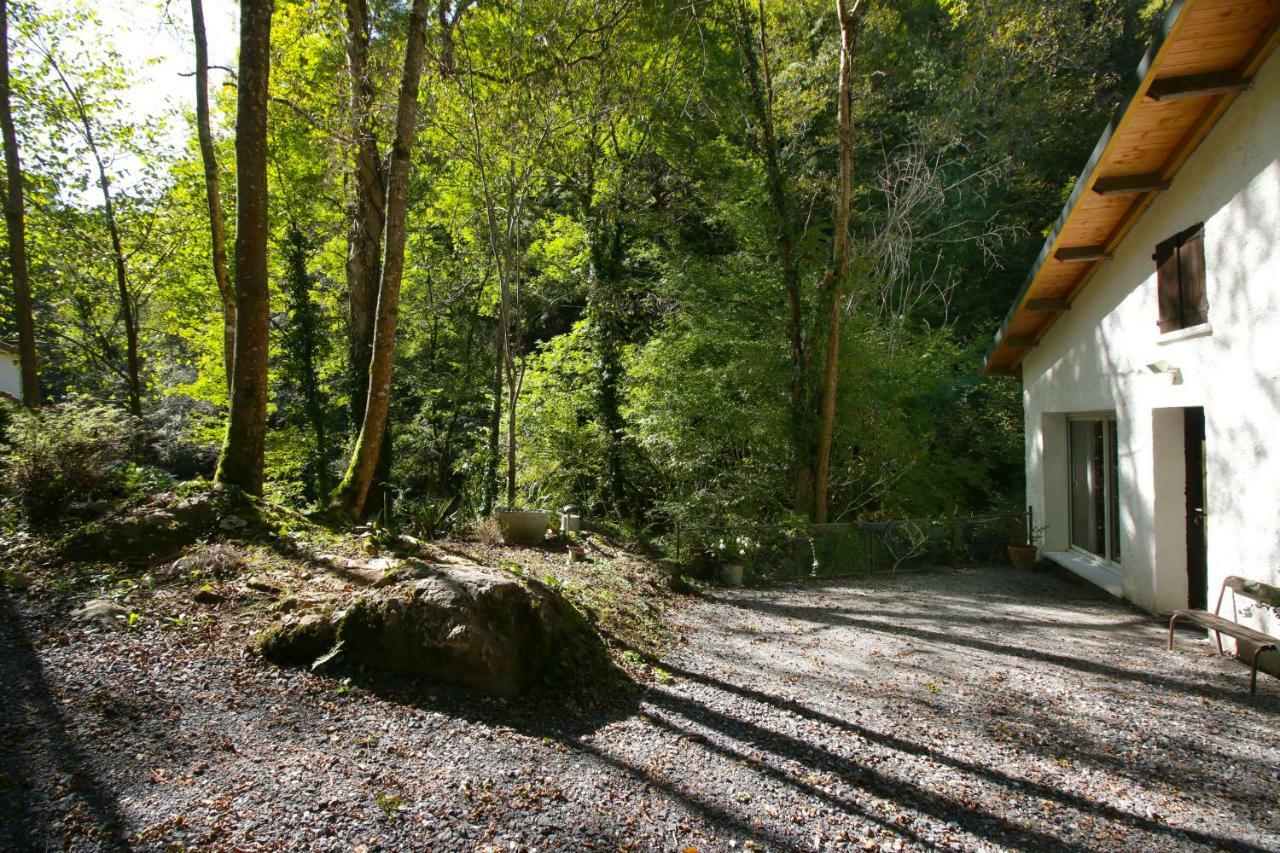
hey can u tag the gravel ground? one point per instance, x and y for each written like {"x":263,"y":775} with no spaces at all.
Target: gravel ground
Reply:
{"x":978,"y":709}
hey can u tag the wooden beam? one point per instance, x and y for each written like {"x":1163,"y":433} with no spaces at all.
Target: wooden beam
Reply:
{"x":1021,"y":341}
{"x":1050,"y":303}
{"x":1082,"y":254}
{"x":1197,"y":86}
{"x":1129,"y":185}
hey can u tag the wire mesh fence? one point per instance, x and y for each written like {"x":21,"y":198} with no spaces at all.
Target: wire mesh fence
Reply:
{"x":779,"y":552}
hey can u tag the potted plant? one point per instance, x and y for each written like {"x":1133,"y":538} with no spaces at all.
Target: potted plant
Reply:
{"x":1024,"y":543}
{"x":733,"y":551}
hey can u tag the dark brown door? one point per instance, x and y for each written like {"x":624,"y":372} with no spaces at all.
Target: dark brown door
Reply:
{"x":1197,"y":561}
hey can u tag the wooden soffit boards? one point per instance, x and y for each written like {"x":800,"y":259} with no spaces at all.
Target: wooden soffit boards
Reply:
{"x":1207,"y":53}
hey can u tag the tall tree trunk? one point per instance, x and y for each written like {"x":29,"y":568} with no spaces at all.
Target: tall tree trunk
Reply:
{"x":16,"y":223}
{"x":831,"y":292}
{"x":241,"y":463}
{"x":213,"y":192}
{"x":368,"y":208}
{"x":349,"y":498}
{"x":759,"y":78}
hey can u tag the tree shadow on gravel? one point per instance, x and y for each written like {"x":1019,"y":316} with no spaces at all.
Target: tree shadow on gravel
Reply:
{"x":984,"y":825}
{"x":543,"y":711}
{"x":702,"y":806}
{"x":847,"y":619}
{"x":49,"y":795}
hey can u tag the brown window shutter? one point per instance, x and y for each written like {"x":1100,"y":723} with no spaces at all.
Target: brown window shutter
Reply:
{"x":1195,"y":300}
{"x":1168,"y":289}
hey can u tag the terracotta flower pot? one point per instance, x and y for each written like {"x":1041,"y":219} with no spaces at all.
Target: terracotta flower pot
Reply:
{"x":1023,"y":556}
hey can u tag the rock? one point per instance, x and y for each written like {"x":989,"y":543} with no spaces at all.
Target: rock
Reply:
{"x":217,"y":559}
{"x":375,"y":572}
{"x":156,"y":531}
{"x":208,"y":595}
{"x":261,"y":585}
{"x":296,"y":640}
{"x":102,"y":609}
{"x":474,"y":627}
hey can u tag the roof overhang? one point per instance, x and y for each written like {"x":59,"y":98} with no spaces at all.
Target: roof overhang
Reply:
{"x":1207,"y":53}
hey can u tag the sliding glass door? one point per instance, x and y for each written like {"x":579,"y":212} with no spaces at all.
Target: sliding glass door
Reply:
{"x":1095,"y":514}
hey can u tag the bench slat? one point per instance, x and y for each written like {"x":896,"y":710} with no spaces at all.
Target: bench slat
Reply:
{"x":1226,"y":626}
{"x":1257,"y":590}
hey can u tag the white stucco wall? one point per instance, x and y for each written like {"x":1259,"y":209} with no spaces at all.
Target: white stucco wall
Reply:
{"x":10,"y":376}
{"x":1094,"y":360}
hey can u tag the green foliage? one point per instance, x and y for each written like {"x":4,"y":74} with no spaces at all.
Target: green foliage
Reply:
{"x":616,"y":146}
{"x":72,"y":452}
{"x":425,"y":517}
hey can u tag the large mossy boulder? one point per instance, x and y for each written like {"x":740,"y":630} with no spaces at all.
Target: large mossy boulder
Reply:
{"x":474,"y":627}
{"x":157,"y":530}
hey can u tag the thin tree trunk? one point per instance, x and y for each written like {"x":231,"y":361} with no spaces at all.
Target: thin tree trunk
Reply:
{"x":495,"y":425}
{"x":16,"y":223}
{"x":308,"y":331}
{"x":759,"y":76}
{"x":128,"y":311}
{"x":349,"y":497}
{"x":241,"y":463}
{"x":368,"y":212}
{"x":514,"y":378}
{"x":213,"y":192}
{"x":831,"y":292}
{"x":605,"y":251}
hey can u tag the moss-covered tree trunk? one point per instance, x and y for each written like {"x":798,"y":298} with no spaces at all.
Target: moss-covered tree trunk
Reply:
{"x":349,"y":498}
{"x":241,"y":462}
{"x":368,"y":221}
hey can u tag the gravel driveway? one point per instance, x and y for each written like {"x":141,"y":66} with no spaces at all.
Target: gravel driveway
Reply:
{"x":977,"y":709}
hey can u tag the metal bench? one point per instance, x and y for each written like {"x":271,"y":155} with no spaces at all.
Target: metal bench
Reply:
{"x":1215,"y":622}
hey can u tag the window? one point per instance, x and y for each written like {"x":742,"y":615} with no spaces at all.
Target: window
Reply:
{"x":1180,"y":280}
{"x":1095,"y":498}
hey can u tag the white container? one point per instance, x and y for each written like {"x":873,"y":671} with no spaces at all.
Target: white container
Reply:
{"x":570,"y":523}
{"x":523,"y":527}
{"x":731,"y":574}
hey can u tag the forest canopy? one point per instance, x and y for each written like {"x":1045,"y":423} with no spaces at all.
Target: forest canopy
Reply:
{"x":662,"y":260}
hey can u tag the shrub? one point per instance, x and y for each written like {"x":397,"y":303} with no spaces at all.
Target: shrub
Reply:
{"x":487,"y":531}
{"x":427,"y":517}
{"x":183,"y":436}
{"x":72,"y":451}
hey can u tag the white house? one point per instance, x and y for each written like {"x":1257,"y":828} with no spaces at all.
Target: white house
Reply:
{"x":10,"y":372}
{"x":1147,"y":337}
